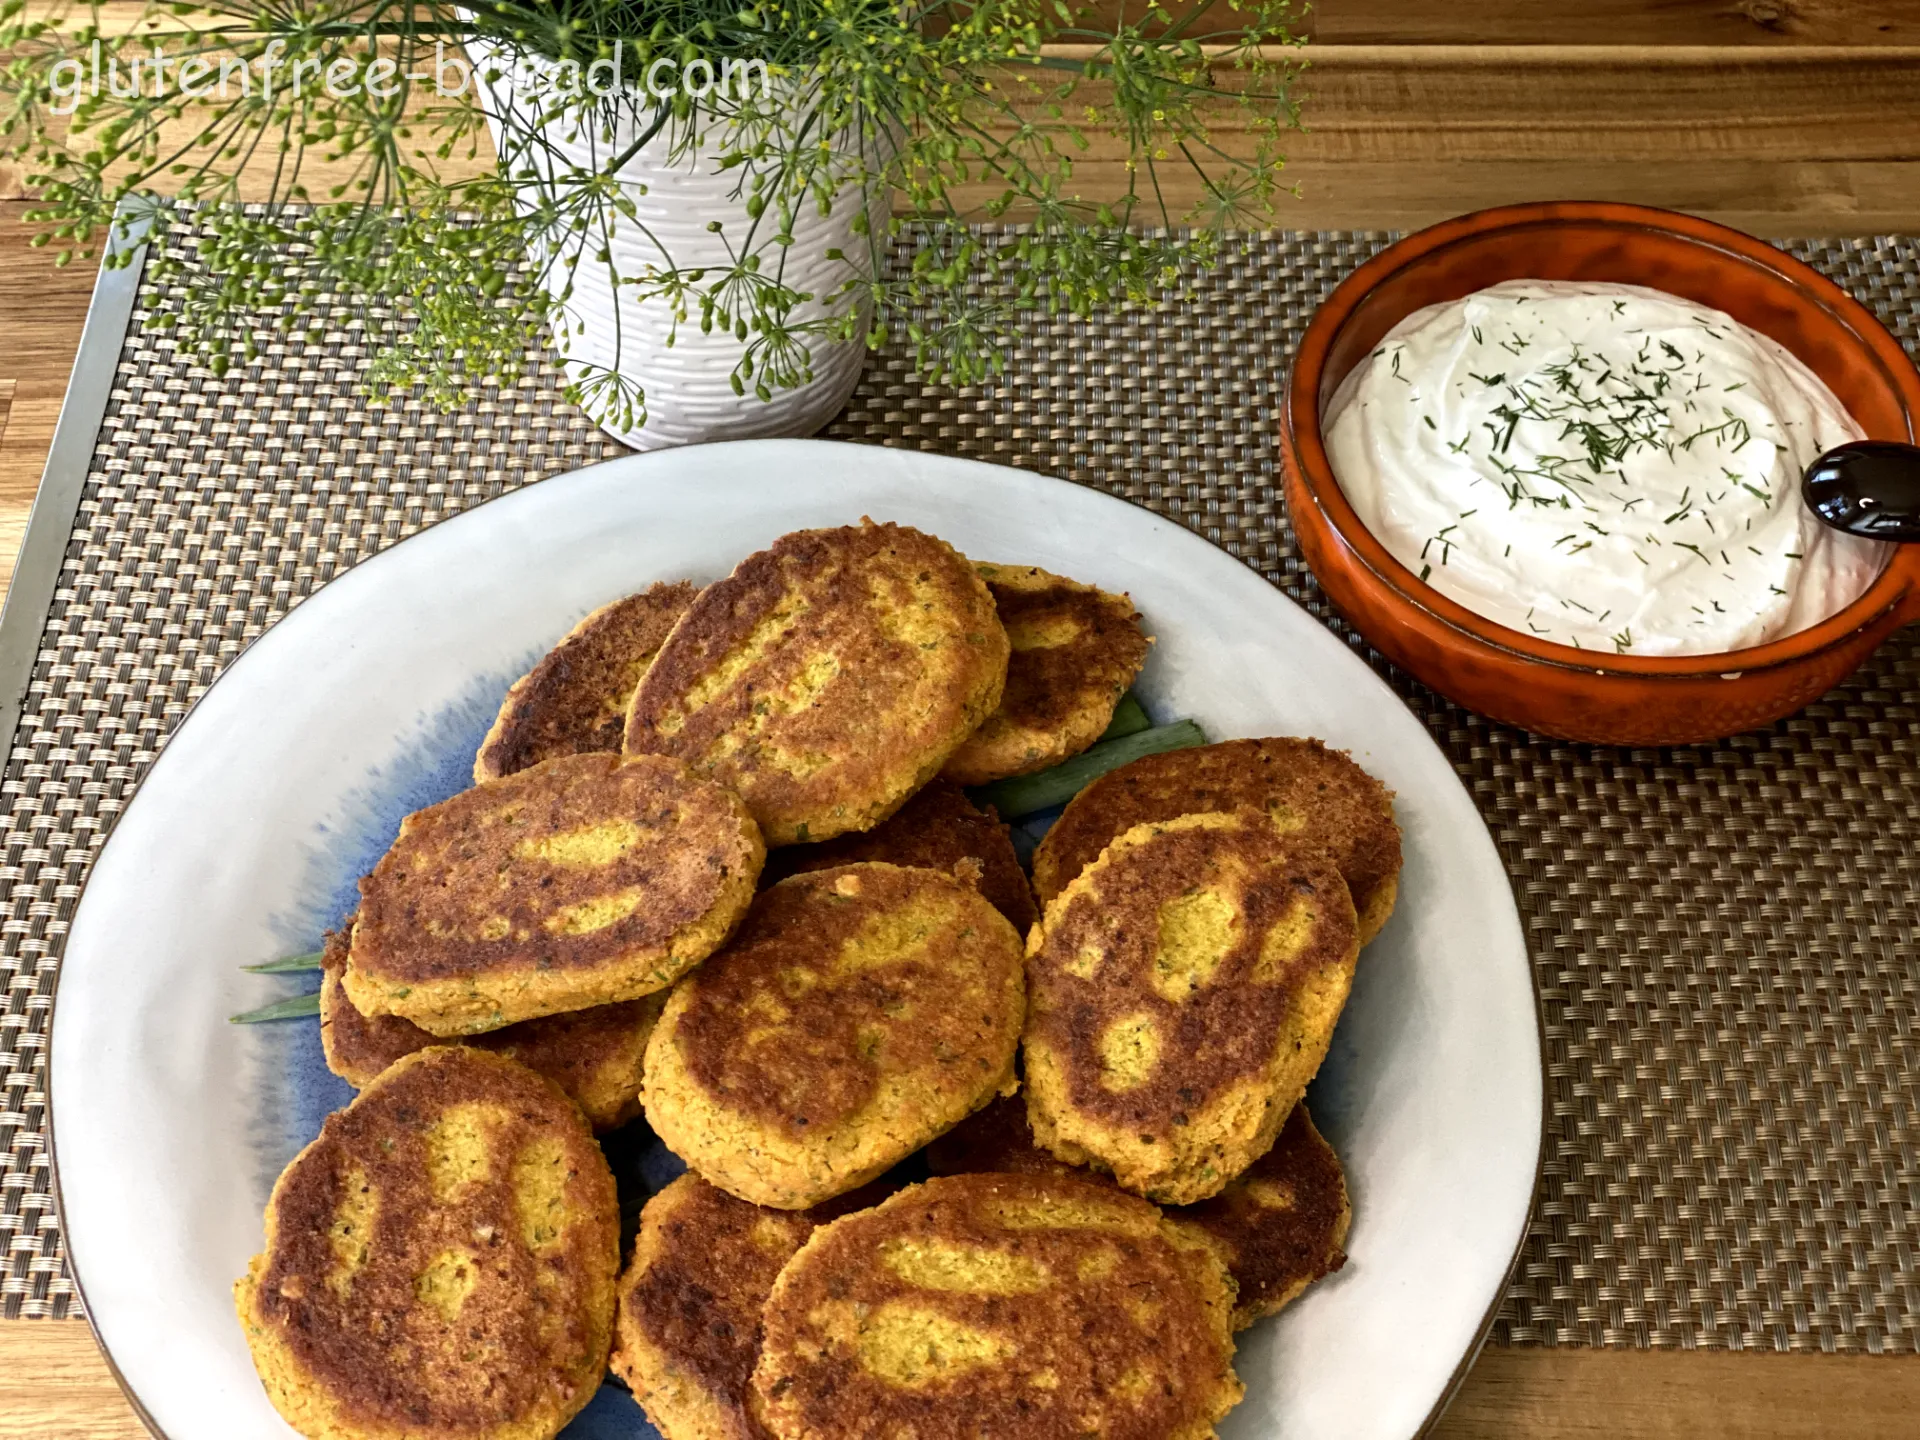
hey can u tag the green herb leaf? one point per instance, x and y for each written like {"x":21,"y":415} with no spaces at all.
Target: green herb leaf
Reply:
{"x":294,"y":1007}
{"x":1128,"y":719}
{"x":456,"y":269}
{"x":1024,"y":794}
{"x":286,"y":966}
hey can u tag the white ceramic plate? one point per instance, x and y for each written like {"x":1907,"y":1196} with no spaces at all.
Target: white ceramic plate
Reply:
{"x":291,"y":775}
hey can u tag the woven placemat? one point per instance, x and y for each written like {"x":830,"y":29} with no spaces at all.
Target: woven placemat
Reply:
{"x":1724,"y":937}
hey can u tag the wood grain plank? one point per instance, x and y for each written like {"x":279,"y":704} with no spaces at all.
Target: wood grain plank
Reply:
{"x":42,"y":310}
{"x":1740,"y":23}
{"x":1767,"y":199}
{"x":54,"y":1385}
{"x":1731,"y":24}
{"x":1608,"y":103}
{"x":1617,"y":22}
{"x":1595,"y":103}
{"x":1523,"y":1393}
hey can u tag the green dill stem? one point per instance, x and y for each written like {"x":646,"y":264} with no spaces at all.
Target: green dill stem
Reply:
{"x":942,"y":97}
{"x":1128,"y":719}
{"x":294,"y":1007}
{"x":290,"y":964}
{"x":1024,"y":794}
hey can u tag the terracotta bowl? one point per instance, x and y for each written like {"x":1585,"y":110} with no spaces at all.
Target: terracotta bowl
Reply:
{"x":1517,"y":678}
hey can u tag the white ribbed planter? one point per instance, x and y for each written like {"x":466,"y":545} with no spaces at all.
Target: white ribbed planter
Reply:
{"x":688,"y":382}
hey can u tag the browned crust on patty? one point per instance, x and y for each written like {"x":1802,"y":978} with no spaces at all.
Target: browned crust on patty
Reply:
{"x":595,"y":1055}
{"x":859,"y":1012}
{"x":1335,"y":803}
{"x":1075,"y":649}
{"x":358,"y":1047}
{"x":828,"y":677}
{"x":575,"y":700}
{"x":403,"y":1293}
{"x":688,"y":1329}
{"x":938,"y":829}
{"x":1182,"y":992}
{"x":1025,"y":1307}
{"x":1279,"y":1226}
{"x":585,"y":880}
{"x":1282,"y":1224}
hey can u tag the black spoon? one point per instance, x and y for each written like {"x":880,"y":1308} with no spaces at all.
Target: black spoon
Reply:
{"x":1869,"y":488}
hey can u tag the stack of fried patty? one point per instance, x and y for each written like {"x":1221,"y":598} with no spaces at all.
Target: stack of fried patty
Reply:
{"x":717,"y":867}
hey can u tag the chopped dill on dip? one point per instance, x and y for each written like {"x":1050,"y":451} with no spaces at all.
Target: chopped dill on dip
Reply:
{"x":1600,"y":465}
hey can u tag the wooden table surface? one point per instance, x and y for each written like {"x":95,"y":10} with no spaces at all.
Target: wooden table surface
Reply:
{"x":1784,"y":117}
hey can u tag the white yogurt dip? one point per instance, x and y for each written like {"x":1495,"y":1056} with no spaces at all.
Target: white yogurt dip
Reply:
{"x":1600,"y":465}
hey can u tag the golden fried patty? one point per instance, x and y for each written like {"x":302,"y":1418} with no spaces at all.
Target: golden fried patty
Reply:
{"x":687,"y":1332}
{"x":1319,"y":793}
{"x":938,"y":829}
{"x":575,"y":700}
{"x":1279,"y":1226}
{"x":583,"y":881}
{"x":1024,"y":1307}
{"x":1182,"y":992}
{"x":1282,"y":1224}
{"x":595,"y":1055}
{"x":441,"y":1261}
{"x":858,"y":1013}
{"x":828,"y":677}
{"x":1075,"y":651}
